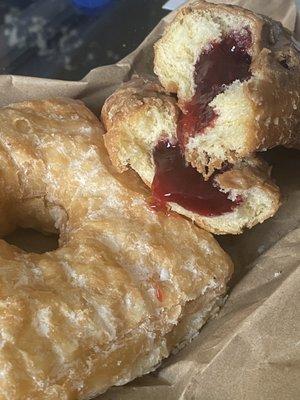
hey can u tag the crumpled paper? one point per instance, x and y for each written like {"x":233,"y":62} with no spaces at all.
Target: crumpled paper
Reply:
{"x":251,"y":351}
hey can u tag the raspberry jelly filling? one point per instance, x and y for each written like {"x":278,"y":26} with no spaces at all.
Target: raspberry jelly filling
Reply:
{"x":221,"y":64}
{"x":177,"y":182}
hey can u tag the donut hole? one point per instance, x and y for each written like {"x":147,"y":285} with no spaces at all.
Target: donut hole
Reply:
{"x":32,"y":241}
{"x":33,"y":225}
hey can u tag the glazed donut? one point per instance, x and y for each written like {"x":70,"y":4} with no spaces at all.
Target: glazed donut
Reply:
{"x":126,"y":284}
{"x":141,"y":122}
{"x":237,"y":78}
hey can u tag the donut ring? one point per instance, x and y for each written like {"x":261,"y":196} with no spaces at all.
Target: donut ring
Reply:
{"x":125,"y":286}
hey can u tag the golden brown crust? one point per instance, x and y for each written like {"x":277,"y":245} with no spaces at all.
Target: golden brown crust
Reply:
{"x":137,"y":96}
{"x":131,"y":95}
{"x":98,"y":310}
{"x":273,"y":91}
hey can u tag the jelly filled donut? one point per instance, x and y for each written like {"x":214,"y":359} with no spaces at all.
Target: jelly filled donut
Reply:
{"x":125,"y":286}
{"x":141,"y":122}
{"x":237,"y":78}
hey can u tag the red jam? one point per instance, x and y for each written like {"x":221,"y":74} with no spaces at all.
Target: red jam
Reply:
{"x":221,"y":64}
{"x":159,"y":293}
{"x":177,"y":182}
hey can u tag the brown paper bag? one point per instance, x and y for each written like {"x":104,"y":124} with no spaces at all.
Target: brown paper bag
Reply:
{"x":251,"y":351}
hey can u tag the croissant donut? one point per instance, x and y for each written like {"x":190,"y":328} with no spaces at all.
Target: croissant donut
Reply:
{"x":237,"y":78}
{"x":126,"y":285}
{"x":141,"y":123}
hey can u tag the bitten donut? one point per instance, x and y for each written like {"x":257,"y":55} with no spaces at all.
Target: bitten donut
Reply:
{"x":237,"y":78}
{"x":141,"y":122}
{"x":125,"y":286}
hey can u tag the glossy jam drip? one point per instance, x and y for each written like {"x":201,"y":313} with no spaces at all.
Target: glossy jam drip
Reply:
{"x":179,"y":183}
{"x":220,"y":65}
